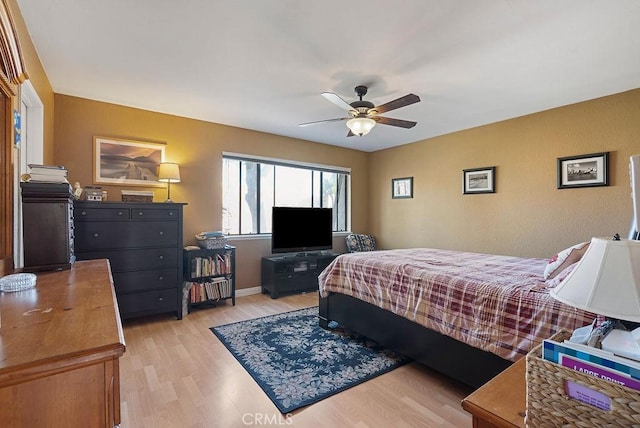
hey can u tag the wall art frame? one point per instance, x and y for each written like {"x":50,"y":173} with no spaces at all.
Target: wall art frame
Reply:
{"x":479,"y":180}
{"x":590,"y":170}
{"x":126,"y":162}
{"x":402,"y":188}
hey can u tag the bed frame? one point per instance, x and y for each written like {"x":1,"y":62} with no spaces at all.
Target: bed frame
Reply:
{"x":466,"y":364}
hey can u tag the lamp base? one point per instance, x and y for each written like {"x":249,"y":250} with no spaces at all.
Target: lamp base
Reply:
{"x":623,"y":343}
{"x":169,"y":201}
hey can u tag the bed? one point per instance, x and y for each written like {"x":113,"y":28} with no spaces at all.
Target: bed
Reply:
{"x":467,"y":315}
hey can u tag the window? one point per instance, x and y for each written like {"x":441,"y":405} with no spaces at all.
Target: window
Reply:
{"x":252,"y":186}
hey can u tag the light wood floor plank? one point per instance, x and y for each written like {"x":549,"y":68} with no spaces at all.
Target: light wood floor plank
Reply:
{"x":177,"y":374}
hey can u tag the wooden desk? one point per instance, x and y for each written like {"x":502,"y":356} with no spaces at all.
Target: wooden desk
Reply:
{"x":59,"y":349}
{"x":501,"y":402}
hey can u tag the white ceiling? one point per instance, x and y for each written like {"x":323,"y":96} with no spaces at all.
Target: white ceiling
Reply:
{"x":262,"y":65}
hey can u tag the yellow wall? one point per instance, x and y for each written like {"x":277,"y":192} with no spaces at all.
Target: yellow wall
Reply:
{"x":197,"y":147}
{"x":527,"y":216}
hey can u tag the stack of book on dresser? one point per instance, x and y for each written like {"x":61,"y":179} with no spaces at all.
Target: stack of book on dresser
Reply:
{"x":47,"y":174}
{"x":593,"y":362}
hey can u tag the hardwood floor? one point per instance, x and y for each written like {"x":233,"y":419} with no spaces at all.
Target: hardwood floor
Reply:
{"x":178,"y":374}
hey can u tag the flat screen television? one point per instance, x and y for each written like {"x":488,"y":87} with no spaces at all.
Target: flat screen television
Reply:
{"x":298,"y":230}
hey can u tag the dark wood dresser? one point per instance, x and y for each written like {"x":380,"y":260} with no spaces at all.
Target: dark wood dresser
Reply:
{"x":143,"y":242}
{"x":47,"y":212}
{"x":60,"y":345}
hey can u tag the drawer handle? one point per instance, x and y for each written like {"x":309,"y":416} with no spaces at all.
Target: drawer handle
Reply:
{"x":160,"y":278}
{"x":95,"y":235}
{"x":140,"y":213}
{"x":83,"y":213}
{"x":120,"y":213}
{"x":160,"y":299}
{"x":170,"y":213}
{"x":161,"y":257}
{"x":161,"y":233}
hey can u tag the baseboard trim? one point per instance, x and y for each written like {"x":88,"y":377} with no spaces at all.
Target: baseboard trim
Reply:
{"x":248,"y":291}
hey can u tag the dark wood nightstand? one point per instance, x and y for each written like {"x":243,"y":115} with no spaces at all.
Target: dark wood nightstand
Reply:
{"x":501,"y":402}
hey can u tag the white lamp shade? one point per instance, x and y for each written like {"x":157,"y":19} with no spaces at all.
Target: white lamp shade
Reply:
{"x":606,"y":281}
{"x":169,"y":172}
{"x":361,"y":125}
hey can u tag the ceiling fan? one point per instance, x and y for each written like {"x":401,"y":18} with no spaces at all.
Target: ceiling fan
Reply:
{"x":363,"y":115}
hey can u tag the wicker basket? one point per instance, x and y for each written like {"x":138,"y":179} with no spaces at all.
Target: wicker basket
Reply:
{"x":548,"y":405}
{"x":211,"y":243}
{"x":136,"y":196}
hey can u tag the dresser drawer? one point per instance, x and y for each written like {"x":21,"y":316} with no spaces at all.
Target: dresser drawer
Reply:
{"x":154,"y":214}
{"x":134,"y":304}
{"x":156,"y":279}
{"x":133,"y":259}
{"x":106,"y":235}
{"x":90,"y":214}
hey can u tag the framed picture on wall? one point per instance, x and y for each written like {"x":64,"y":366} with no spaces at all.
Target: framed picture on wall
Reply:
{"x":402,"y":188}
{"x":126,"y":162}
{"x":479,"y":180}
{"x":583,"y":171}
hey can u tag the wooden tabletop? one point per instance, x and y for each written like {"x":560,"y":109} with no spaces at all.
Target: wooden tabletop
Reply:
{"x":69,"y":315}
{"x":501,"y":401}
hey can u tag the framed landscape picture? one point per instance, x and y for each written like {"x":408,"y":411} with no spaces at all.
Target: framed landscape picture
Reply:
{"x":478,"y":180}
{"x":126,"y":162}
{"x":583,"y":171}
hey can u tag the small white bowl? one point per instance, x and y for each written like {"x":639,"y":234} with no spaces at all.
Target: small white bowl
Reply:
{"x":17,"y":282}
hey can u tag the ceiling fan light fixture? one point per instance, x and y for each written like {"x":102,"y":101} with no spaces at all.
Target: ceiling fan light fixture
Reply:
{"x":361,"y":125}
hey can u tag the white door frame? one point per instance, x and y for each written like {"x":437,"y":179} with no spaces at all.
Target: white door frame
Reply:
{"x":31,"y":150}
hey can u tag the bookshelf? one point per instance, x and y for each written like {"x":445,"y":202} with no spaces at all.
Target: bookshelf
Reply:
{"x":209,"y":276}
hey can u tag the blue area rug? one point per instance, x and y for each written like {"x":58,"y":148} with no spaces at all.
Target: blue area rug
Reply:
{"x":296,"y":362}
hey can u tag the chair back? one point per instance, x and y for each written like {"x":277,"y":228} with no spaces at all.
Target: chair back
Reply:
{"x":360,"y":242}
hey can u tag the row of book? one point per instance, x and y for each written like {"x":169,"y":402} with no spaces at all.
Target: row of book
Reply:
{"x":594,"y":362}
{"x":47,"y":174}
{"x":216,"y":289}
{"x":218,"y":264}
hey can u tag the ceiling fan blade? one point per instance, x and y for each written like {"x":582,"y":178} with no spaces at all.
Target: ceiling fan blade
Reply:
{"x":397,"y":103}
{"x":334,"y":98}
{"x":394,"y":122}
{"x":324,"y":121}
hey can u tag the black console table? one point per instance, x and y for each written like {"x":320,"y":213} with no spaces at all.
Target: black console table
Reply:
{"x":293,"y":273}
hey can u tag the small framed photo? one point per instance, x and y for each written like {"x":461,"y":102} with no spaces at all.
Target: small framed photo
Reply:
{"x":126,"y":162}
{"x":583,"y":171}
{"x":402,"y":188}
{"x":479,"y":180}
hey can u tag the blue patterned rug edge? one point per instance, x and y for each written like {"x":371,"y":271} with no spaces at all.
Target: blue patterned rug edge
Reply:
{"x":341,"y":338}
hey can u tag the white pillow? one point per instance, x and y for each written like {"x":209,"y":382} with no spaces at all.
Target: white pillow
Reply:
{"x":564,"y":259}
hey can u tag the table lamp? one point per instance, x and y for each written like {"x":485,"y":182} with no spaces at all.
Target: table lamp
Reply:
{"x":606,"y":281}
{"x":168,"y":172}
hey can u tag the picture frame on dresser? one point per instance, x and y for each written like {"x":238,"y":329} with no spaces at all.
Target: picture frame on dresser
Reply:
{"x":127,"y":162}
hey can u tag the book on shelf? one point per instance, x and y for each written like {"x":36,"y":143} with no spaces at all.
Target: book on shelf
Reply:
{"x":556,"y":351}
{"x":215,"y":289}
{"x":210,"y":266}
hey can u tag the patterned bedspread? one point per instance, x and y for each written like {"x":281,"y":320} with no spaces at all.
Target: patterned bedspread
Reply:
{"x":500,"y":304}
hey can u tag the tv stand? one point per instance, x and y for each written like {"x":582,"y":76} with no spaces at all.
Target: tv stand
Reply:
{"x":295,"y":273}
